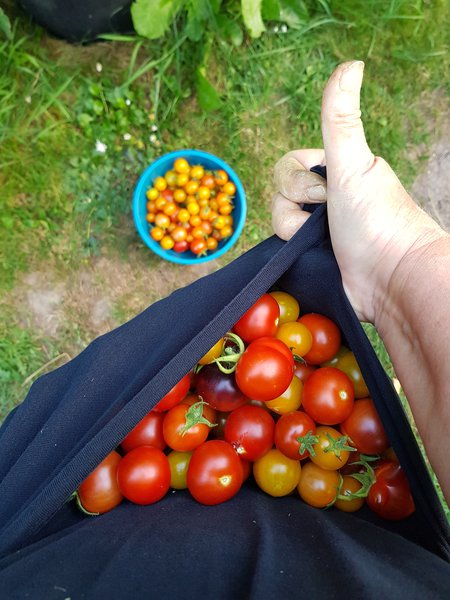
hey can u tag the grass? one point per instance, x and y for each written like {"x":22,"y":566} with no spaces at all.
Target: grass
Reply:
{"x":64,"y":205}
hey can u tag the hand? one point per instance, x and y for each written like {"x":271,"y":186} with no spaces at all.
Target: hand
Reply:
{"x":374,"y":224}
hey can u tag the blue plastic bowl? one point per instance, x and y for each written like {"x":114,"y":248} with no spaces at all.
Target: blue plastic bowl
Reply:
{"x":160,"y":167}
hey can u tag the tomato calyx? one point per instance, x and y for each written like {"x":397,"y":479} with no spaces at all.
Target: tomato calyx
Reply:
{"x":366,"y":479}
{"x":227,"y":362}
{"x":299,"y":359}
{"x":194,"y":416}
{"x":307,"y":442}
{"x":338,"y":445}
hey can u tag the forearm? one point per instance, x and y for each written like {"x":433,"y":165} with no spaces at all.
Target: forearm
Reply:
{"x":412,"y":319}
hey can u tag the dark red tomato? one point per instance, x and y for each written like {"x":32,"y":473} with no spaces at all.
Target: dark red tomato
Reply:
{"x":176,"y":394}
{"x":250,"y":431}
{"x":263,"y":373}
{"x":364,"y":428}
{"x":303,"y":370}
{"x":215,"y":473}
{"x":328,"y":396}
{"x":100,"y":492}
{"x":218,"y":389}
{"x":326,"y":338}
{"x":143,"y":475}
{"x":246,"y":469}
{"x":276,"y":344}
{"x":289,"y":428}
{"x":218,"y":432}
{"x":148,"y":432}
{"x":177,"y":436}
{"x":260,"y":320}
{"x":390,"y":496}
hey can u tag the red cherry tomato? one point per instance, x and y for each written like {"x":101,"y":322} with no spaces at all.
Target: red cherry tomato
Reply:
{"x":390,"y":496}
{"x":148,"y":432}
{"x":276,"y":344}
{"x":364,"y":428}
{"x":289,"y":428}
{"x":250,"y":431}
{"x":303,"y":370}
{"x":260,"y":320}
{"x":176,"y":394}
{"x":181,"y":246}
{"x":143,"y":475}
{"x":176,"y":436}
{"x":328,"y":396}
{"x":215,"y":473}
{"x":100,"y":492}
{"x":326,"y":338}
{"x":263,"y":373}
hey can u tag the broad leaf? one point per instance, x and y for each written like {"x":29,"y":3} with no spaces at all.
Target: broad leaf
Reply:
{"x":208,"y":96}
{"x":293,"y":12}
{"x":5,"y":25}
{"x":229,"y":30}
{"x":152,"y":18}
{"x":270,"y":10}
{"x":251,"y":13}
{"x":198,"y":13}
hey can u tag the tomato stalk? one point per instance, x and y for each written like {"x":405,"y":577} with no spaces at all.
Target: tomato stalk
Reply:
{"x":227,"y":362}
{"x":194,"y":416}
{"x":75,"y":496}
{"x":366,"y":479}
{"x":307,"y":443}
{"x":338,"y":445}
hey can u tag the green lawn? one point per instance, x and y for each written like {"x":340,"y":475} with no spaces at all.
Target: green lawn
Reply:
{"x":65,"y":206}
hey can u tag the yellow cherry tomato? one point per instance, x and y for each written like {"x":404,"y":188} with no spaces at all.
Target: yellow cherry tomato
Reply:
{"x":331,"y":450}
{"x":157,"y":233}
{"x":191,"y":187}
{"x":213,"y":353}
{"x":318,"y":487}
{"x":171,"y":178}
{"x":229,"y":188}
{"x":197,"y":172}
{"x":179,"y":195}
{"x":160,"y":184}
{"x":349,"y":486}
{"x":179,"y":463}
{"x":276,"y":474}
{"x":152,"y":193}
{"x":296,"y":336}
{"x":193,"y":208}
{"x":182,"y":179}
{"x":183,"y":215}
{"x":290,"y":399}
{"x":167,"y":242}
{"x":181,"y":165}
{"x":289,"y":307}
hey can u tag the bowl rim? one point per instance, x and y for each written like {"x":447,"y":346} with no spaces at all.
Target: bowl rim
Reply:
{"x":141,"y":188}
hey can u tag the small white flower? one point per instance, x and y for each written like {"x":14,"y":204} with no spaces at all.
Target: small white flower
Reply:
{"x":154,"y":128}
{"x":99,"y":67}
{"x":128,"y":102}
{"x":153,"y":138}
{"x":88,"y":200}
{"x":276,"y":29}
{"x":100,"y":147}
{"x":127,"y":137}
{"x":28,"y":99}
{"x":284,"y":28}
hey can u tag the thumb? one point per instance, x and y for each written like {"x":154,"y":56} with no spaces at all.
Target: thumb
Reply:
{"x":346,"y":151}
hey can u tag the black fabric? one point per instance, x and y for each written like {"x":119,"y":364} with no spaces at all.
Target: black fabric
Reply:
{"x":75,"y":415}
{"x":81,"y":20}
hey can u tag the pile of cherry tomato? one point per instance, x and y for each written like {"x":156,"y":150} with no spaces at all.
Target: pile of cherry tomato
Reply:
{"x":190,"y":208}
{"x":280,"y":400}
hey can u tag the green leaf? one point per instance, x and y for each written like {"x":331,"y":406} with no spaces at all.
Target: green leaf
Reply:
{"x":5,"y":24}
{"x":198,"y":13}
{"x":152,"y":18}
{"x":270,"y":10}
{"x":251,"y":13}
{"x":294,"y":13}
{"x":229,"y":30}
{"x":208,"y":97}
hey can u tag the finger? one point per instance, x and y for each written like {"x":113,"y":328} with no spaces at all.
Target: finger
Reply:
{"x":294,"y":180}
{"x":345,"y":144}
{"x":287,"y":217}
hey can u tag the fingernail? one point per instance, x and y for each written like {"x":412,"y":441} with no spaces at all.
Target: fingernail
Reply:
{"x":317,"y":192}
{"x":351,"y":76}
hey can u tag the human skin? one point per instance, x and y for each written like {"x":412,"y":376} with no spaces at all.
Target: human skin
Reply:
{"x":394,"y":259}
